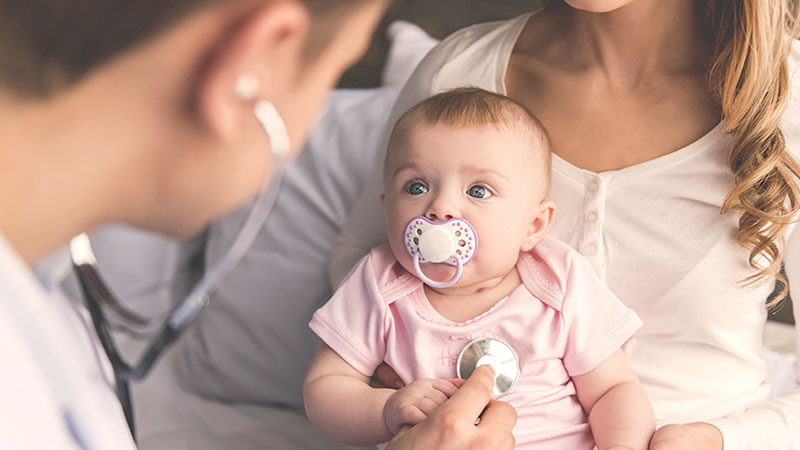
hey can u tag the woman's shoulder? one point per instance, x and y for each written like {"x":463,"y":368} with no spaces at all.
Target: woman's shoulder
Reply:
{"x":473,"y":55}
{"x":486,"y":35}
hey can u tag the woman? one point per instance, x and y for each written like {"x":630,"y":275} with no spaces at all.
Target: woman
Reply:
{"x":675,"y":138}
{"x":142,"y":113}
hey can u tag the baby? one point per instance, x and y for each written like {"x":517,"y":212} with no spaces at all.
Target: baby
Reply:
{"x":466,"y":177}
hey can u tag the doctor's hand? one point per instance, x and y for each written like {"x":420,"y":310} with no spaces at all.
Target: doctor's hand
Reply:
{"x":697,"y":435}
{"x":452,"y":425}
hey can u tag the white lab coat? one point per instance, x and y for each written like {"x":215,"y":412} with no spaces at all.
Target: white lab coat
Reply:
{"x":55,"y":380}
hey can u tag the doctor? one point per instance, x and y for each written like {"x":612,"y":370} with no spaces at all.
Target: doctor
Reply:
{"x":142,"y":112}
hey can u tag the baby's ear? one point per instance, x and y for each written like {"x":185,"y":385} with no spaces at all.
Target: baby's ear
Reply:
{"x":540,"y":224}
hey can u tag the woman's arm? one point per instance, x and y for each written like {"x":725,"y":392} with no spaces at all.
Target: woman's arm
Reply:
{"x":774,"y":423}
{"x":620,"y":413}
{"x":365,"y":228}
{"x":340,"y":402}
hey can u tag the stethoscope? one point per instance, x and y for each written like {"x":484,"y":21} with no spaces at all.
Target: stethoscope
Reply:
{"x":455,"y":243}
{"x":96,"y":293}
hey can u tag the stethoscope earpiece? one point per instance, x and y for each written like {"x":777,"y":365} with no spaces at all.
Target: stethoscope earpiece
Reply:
{"x":275,"y":128}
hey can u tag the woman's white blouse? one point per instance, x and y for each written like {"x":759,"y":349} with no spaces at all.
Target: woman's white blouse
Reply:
{"x":654,"y":232}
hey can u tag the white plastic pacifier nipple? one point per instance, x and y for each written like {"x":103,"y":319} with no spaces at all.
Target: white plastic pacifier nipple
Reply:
{"x":453,"y":242}
{"x":436,"y":245}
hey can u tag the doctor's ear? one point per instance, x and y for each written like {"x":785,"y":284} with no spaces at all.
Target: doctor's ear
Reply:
{"x":539,"y":225}
{"x":253,"y":59}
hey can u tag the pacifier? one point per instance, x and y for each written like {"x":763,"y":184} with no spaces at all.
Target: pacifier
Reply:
{"x":453,"y":242}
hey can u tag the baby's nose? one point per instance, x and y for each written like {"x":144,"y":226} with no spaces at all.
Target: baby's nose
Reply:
{"x":441,"y":210}
{"x":439,"y":218}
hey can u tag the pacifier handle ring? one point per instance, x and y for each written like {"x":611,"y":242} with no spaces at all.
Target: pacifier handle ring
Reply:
{"x":438,"y":284}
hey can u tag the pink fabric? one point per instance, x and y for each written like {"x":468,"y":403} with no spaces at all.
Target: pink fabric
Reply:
{"x":562,"y":321}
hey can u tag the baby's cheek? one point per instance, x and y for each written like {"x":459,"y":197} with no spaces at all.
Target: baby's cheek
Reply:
{"x":400,"y":253}
{"x":497,"y":254}
{"x":398,"y":248}
{"x":395,"y":234}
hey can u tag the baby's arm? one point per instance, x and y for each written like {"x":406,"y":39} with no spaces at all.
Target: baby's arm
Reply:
{"x":340,"y":402}
{"x":620,"y":413}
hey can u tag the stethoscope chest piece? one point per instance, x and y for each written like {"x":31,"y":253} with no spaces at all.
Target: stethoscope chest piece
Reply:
{"x":493,"y":352}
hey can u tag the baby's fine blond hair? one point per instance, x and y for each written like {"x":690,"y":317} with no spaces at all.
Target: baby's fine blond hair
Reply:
{"x":471,"y":106}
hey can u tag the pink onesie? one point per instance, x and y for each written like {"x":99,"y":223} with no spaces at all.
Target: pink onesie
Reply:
{"x":562,"y":321}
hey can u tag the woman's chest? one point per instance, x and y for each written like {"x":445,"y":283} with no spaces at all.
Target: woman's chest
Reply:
{"x":601,"y":124}
{"x":655,"y":234}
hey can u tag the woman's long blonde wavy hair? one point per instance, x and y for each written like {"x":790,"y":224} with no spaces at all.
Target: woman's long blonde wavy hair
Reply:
{"x":749,"y":76}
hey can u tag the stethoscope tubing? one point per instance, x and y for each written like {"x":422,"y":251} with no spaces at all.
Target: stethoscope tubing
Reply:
{"x":96,"y":293}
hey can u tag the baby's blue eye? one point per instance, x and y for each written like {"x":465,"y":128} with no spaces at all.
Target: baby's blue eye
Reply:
{"x":479,"y":191}
{"x":416,"y":188}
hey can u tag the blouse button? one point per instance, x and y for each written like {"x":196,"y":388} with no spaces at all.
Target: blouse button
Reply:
{"x":590,"y":217}
{"x":593,"y":186}
{"x":590,"y":249}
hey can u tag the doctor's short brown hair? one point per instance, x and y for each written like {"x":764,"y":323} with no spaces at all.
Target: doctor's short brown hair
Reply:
{"x":47,"y":45}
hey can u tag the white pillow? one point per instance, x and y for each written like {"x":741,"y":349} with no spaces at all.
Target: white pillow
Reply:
{"x":252,"y":343}
{"x":408,"y":45}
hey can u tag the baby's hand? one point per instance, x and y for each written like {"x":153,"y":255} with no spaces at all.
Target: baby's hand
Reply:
{"x":411,"y":404}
